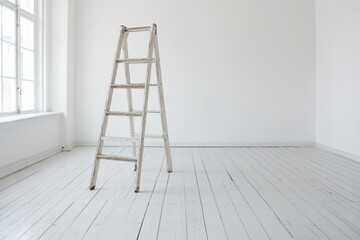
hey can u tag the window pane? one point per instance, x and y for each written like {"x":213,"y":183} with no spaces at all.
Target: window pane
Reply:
{"x":9,"y":60}
{"x":9,"y":95}
{"x":27,"y":5}
{"x":27,"y":96}
{"x":27,"y":64}
{"x":8,"y":24}
{"x":26,"y":33}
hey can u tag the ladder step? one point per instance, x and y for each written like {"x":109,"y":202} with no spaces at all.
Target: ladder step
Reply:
{"x":138,"y":29}
{"x":154,"y":136}
{"x":132,"y":85}
{"x":119,"y":139}
{"x":130,"y":114}
{"x":149,"y":111}
{"x":129,"y":139}
{"x":117,"y":158}
{"x":151,"y":135}
{"x":136,"y":60}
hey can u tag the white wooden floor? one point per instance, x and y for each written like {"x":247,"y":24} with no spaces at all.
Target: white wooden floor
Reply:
{"x":213,"y":193}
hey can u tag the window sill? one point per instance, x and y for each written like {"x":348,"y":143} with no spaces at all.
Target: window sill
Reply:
{"x":20,"y":119}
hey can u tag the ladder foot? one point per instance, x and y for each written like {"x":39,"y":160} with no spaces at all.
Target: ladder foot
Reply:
{"x":136,"y":189}
{"x":135,"y":168}
{"x":169,"y":171}
{"x":92,"y":187}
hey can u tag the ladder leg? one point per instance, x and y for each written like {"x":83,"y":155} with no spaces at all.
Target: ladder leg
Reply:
{"x":162,"y":108}
{"x":129,"y":98}
{"x":107,"y":108}
{"x":145,"y":105}
{"x":94,"y":173}
{"x":139,"y":168}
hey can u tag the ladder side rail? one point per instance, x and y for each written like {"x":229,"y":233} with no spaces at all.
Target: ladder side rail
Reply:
{"x":129,"y":95}
{"x":145,"y":105}
{"x":100,"y":143}
{"x":162,"y":106}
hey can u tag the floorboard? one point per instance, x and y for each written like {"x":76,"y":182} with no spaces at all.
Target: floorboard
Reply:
{"x":213,"y":193}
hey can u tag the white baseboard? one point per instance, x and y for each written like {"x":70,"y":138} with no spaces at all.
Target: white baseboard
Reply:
{"x":209,"y":144}
{"x":23,"y":163}
{"x":338,"y":152}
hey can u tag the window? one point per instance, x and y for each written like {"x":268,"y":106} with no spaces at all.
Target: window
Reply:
{"x":18,"y":78}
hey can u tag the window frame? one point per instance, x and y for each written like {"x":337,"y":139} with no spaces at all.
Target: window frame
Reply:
{"x":35,"y":18}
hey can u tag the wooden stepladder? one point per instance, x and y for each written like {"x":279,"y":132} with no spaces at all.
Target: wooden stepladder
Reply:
{"x":149,"y":61}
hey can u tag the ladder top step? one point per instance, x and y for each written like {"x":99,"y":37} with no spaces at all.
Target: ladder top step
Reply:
{"x":138,"y":29}
{"x":117,"y":158}
{"x":132,"y":85}
{"x":136,"y":60}
{"x":130,"y":114}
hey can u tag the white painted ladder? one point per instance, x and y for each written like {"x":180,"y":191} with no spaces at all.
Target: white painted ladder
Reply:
{"x":137,"y":158}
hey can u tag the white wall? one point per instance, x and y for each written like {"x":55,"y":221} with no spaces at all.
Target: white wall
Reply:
{"x":28,"y":139}
{"x":234,"y":71}
{"x":60,"y":65}
{"x":338,"y":74}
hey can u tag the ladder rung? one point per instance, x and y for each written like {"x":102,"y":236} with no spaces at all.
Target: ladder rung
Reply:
{"x":149,"y":111}
{"x":130,"y":114}
{"x":132,"y":85}
{"x":117,"y":158}
{"x":153,"y":84}
{"x":119,"y":139}
{"x":154,"y":136}
{"x":135,"y":60}
{"x":151,"y":135}
{"x":138,"y":29}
